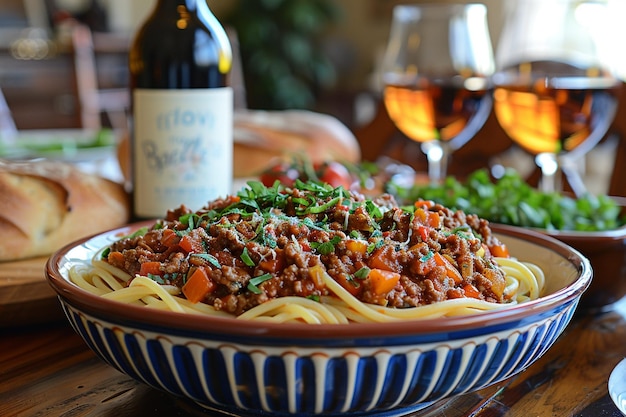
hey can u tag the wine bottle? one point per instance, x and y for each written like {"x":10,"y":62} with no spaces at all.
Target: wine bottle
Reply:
{"x":182,"y":109}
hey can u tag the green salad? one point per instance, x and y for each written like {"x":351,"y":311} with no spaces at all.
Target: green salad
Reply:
{"x":39,"y":143}
{"x":510,"y":200}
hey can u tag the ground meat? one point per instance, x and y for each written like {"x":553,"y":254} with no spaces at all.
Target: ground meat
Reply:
{"x":257,"y":249}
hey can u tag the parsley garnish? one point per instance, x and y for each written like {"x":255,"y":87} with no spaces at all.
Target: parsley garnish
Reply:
{"x":256,"y":281}
{"x":362,"y":273}
{"x":208,"y":257}
{"x":325,"y":248}
{"x":245,"y":257}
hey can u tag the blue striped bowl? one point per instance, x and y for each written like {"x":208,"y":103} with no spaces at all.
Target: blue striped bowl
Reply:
{"x":339,"y":370}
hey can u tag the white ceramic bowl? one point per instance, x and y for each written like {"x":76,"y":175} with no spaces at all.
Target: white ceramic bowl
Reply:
{"x":248,"y":368}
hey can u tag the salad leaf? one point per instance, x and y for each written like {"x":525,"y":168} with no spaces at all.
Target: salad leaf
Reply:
{"x":511,"y":200}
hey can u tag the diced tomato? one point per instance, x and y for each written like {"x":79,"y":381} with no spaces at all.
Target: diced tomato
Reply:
{"x":198,"y":285}
{"x":423,"y":232}
{"x":170,"y":238}
{"x":152,"y":268}
{"x":282,"y":172}
{"x":191,"y":245}
{"x":335,"y":174}
{"x":383,"y":281}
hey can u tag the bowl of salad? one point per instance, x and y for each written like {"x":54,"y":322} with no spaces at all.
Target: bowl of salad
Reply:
{"x":594,"y":225}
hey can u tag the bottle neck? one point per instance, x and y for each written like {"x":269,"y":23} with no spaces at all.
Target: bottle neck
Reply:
{"x":184,"y":9}
{"x":190,"y":5}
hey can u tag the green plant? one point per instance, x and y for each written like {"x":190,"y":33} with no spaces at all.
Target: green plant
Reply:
{"x":284,"y":65}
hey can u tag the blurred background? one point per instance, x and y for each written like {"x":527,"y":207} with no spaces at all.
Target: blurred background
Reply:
{"x":326,"y":61}
{"x":320,"y":55}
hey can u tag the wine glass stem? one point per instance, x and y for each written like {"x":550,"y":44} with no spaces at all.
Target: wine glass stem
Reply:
{"x":549,"y":165}
{"x":437,"y":156}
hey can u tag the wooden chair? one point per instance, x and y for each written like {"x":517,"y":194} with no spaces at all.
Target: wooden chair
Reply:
{"x":95,"y":105}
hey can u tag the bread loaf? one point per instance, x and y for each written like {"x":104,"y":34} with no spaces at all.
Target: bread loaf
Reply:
{"x":264,"y":137}
{"x":45,"y":205}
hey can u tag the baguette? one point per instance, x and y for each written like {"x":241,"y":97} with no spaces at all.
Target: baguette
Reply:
{"x":45,"y":205}
{"x":262,"y":138}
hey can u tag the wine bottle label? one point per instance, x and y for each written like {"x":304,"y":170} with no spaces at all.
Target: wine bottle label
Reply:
{"x":182,"y":148}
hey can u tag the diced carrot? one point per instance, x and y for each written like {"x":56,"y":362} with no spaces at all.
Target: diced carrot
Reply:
{"x":116,"y":258}
{"x":500,"y":251}
{"x":382,"y":258}
{"x":471,"y":291}
{"x":350,"y":285}
{"x":191,"y":245}
{"x":169,"y":238}
{"x":317,"y":274}
{"x":198,"y":286}
{"x":424,"y":203}
{"x":233,"y":199}
{"x":422,"y":263}
{"x":451,"y":270}
{"x":356,"y":246}
{"x":498,"y":283}
{"x":434,"y":220}
{"x":274,"y":264}
{"x":427,"y":218}
{"x":153,"y":268}
{"x":383,"y":281}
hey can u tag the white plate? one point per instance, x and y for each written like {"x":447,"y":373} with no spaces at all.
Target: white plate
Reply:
{"x":617,"y":386}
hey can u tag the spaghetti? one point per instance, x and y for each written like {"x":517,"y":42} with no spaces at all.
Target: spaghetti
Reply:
{"x":313,"y":254}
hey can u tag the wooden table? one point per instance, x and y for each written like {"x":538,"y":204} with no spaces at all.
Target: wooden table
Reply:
{"x":47,"y":370}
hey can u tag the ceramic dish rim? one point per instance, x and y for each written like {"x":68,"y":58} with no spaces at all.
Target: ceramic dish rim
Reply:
{"x":135,"y":315}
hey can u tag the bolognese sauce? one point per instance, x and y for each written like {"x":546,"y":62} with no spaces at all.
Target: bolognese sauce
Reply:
{"x":260,"y":244}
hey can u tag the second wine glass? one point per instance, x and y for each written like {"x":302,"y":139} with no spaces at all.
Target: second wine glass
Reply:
{"x":436,"y":72}
{"x":555,"y":90}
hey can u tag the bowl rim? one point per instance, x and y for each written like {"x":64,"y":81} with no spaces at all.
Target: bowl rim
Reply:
{"x":136,"y":315}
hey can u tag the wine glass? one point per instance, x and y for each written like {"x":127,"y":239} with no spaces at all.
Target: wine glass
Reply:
{"x":555,"y":93}
{"x":436,"y":73}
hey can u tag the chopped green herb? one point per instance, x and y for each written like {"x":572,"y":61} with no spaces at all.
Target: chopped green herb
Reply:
{"x":511,"y":200}
{"x":323,"y":207}
{"x":325,"y":248}
{"x":373,"y":209}
{"x":362,"y":273}
{"x":245,"y":257}
{"x":256,"y":281}
{"x":157,"y":279}
{"x":139,"y":232}
{"x":427,"y":256}
{"x":208,"y":257}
